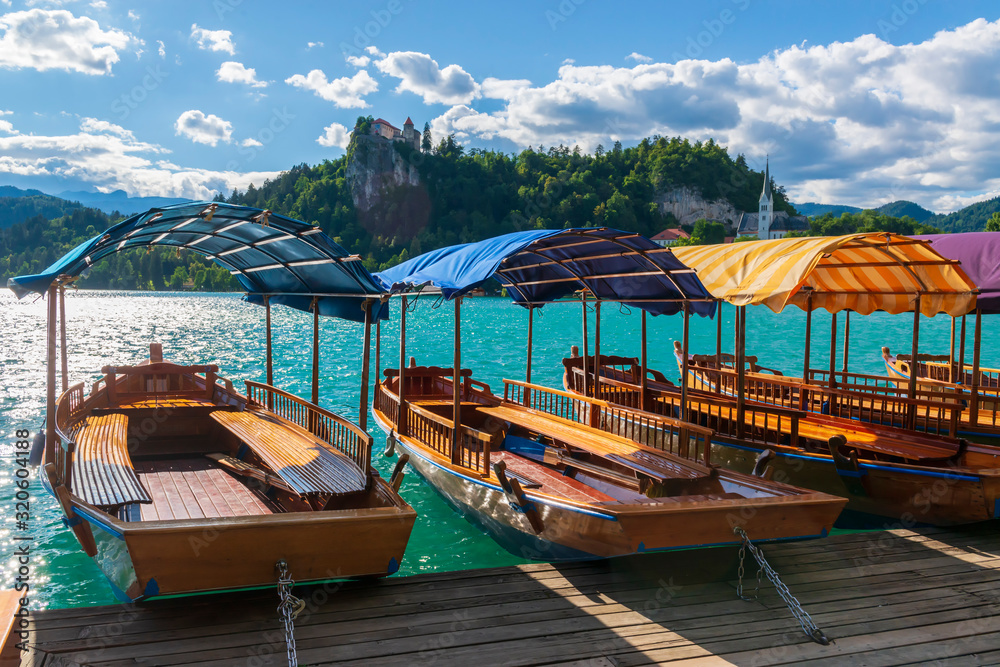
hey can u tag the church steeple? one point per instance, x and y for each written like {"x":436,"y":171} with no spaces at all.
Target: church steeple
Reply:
{"x":765,"y":213}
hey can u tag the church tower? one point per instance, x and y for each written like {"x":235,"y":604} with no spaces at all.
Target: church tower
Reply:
{"x":765,"y":213}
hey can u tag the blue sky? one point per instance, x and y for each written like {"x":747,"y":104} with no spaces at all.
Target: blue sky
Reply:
{"x":855,"y":102}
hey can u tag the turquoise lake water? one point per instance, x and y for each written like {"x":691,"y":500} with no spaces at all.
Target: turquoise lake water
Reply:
{"x":116,"y":328}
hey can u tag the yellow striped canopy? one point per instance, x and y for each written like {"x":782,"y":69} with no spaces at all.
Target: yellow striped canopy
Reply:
{"x":859,"y":272}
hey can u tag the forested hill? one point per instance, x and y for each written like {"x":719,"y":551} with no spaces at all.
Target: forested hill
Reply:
{"x":468,"y":195}
{"x":19,"y":205}
{"x":972,"y":218}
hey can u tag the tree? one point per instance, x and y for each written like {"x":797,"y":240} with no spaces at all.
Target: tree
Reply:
{"x":428,"y":141}
{"x":993,"y":224}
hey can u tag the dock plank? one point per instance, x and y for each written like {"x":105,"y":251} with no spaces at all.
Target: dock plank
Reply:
{"x":886,"y":598}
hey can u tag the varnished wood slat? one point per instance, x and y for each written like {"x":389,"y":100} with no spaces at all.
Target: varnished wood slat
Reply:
{"x":103,"y":474}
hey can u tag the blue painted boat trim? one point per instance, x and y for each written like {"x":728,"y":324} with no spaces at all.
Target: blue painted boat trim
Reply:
{"x":107,"y":528}
{"x":152,"y":588}
{"x":996,"y":508}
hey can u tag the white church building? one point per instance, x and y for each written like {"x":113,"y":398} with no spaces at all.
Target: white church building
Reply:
{"x":767,"y":223}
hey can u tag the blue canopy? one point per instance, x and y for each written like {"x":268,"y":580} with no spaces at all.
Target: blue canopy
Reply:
{"x":540,"y":266}
{"x":287,"y":260}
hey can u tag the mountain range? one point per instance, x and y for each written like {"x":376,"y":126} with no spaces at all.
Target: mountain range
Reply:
{"x":972,"y":218}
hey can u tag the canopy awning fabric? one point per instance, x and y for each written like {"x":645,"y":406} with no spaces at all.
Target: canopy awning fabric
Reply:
{"x":541,"y":266}
{"x":287,"y":260}
{"x":979,"y":253}
{"x":858,"y":272}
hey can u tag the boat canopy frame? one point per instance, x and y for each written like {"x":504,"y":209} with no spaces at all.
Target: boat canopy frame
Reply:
{"x":286,"y":261}
{"x":538,"y":267}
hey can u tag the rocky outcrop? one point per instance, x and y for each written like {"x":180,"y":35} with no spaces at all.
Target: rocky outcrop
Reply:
{"x":388,"y":195}
{"x":687,"y":206}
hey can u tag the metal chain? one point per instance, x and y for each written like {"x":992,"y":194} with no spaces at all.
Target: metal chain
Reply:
{"x":289,"y":608}
{"x":800,"y":614}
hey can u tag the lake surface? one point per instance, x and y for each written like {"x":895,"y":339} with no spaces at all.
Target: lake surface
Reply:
{"x":115,"y":328}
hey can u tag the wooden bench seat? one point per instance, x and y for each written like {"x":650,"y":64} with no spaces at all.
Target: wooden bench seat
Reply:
{"x":658,"y":465}
{"x":102,"y":472}
{"x":303,"y":461}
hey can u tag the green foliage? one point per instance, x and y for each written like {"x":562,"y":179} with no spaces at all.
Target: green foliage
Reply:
{"x":993,"y":224}
{"x":866,"y":221}
{"x":427,"y":141}
{"x":705,"y":233}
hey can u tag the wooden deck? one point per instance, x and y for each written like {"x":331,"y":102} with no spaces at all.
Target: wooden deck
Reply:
{"x":885,"y":598}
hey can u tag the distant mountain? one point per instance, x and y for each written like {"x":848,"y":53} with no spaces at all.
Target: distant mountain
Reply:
{"x":18,"y":205}
{"x":972,"y":218}
{"x":898,"y":209}
{"x":810,"y":209}
{"x":119,"y":201}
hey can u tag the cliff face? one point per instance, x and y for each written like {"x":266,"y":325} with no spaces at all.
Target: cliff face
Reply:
{"x":688,"y":206}
{"x":386,"y":188}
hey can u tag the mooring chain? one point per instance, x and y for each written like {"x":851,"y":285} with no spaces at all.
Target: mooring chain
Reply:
{"x":800,"y":614}
{"x":288,"y":609}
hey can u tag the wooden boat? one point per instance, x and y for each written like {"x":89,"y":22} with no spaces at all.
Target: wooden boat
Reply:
{"x":544,"y":485}
{"x":531,"y":468}
{"x":175,"y":483}
{"x":884,"y":472}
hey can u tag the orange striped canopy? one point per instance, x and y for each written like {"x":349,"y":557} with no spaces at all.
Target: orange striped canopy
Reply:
{"x":859,"y":272}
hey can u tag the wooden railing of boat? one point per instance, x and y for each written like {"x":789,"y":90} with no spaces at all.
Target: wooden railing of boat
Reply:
{"x":939,"y":416}
{"x":678,"y":437}
{"x":435,"y":431}
{"x":764,"y":424}
{"x":340,"y":433}
{"x":988,"y":403}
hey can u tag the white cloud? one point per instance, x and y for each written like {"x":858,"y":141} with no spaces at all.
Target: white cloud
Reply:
{"x":95,"y":126}
{"x":638,"y":57}
{"x":99,"y":4}
{"x":132,"y":14}
{"x":246,"y":143}
{"x":109,"y":160}
{"x":502,"y":89}
{"x":345,"y":93}
{"x":312,"y":45}
{"x":373,"y":51}
{"x":213,"y":40}
{"x":420,"y":74}
{"x":234,"y":72}
{"x":335,"y":134}
{"x":358,"y":61}
{"x":162,"y":49}
{"x":5,"y":112}
{"x":860,"y":122}
{"x":55,"y":39}
{"x":7,"y":127}
{"x":202,"y":129}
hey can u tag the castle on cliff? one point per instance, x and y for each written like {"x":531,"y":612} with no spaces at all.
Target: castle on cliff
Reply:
{"x":409,"y":134}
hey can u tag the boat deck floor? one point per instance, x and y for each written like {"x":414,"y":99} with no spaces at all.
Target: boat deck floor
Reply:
{"x":926,"y":597}
{"x":196,"y":488}
{"x":552,"y":481}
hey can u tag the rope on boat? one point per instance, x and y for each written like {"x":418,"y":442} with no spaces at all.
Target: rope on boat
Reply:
{"x":289,"y":608}
{"x":800,"y":614}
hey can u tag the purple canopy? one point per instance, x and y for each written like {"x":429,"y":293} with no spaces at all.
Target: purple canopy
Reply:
{"x":979,"y":253}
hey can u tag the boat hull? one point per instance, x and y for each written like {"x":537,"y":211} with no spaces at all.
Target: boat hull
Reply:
{"x":147,"y":559}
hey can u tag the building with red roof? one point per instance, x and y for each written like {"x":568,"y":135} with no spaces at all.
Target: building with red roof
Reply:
{"x":668,"y":237}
